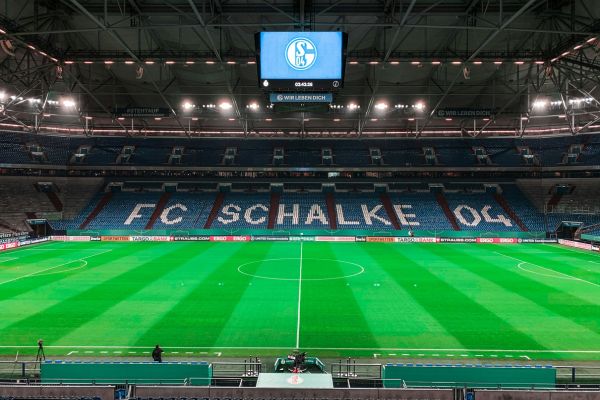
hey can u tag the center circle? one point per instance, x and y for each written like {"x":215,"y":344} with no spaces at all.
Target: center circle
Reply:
{"x":313,"y":269}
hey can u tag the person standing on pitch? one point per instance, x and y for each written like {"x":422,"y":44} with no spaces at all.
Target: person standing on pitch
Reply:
{"x":157,"y":354}
{"x":40,"y":354}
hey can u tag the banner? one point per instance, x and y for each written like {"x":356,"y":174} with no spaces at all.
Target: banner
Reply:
{"x":150,"y":238}
{"x":409,"y":239}
{"x":498,"y":240}
{"x":538,"y":241}
{"x":302,"y":238}
{"x":335,"y":239}
{"x":270,"y":238}
{"x":578,"y":245}
{"x":463,"y":112}
{"x":458,"y":240}
{"x":192,"y":238}
{"x":141,"y":112}
{"x":114,"y":238}
{"x":65,"y":238}
{"x":8,"y":246}
{"x":381,"y":239}
{"x":33,"y":241}
{"x":230,"y":238}
{"x":301,"y":98}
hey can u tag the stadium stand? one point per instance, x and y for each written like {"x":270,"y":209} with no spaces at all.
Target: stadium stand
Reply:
{"x":60,"y":150}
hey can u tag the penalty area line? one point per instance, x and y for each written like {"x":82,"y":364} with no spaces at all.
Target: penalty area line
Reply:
{"x":549,"y":269}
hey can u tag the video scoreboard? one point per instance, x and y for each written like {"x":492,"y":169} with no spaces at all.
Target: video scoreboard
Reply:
{"x":301,"y":61}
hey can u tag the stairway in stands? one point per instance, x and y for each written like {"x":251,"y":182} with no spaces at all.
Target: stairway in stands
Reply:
{"x":103,"y":202}
{"x":160,"y":206}
{"x":553,"y":202}
{"x":58,"y":206}
{"x":508,"y":209}
{"x":331,"y":211}
{"x":441,"y":199}
{"x":389,"y":208}
{"x":273,"y":209}
{"x":214,"y":210}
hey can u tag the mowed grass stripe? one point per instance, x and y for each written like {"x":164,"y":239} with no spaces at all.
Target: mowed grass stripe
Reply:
{"x":473,"y":325}
{"x":394,"y":317}
{"x":131,"y":317}
{"x":65,"y":316}
{"x":525,"y":315}
{"x":266,"y":312}
{"x":560,"y":302}
{"x":331,"y":315}
{"x":200,"y":316}
{"x":572,"y":264}
{"x":33,"y":294}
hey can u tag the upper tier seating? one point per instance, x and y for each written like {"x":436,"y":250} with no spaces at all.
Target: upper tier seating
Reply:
{"x":502,"y":152}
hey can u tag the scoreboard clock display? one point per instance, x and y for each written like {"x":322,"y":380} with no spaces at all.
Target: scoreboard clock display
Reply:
{"x":298,"y":61}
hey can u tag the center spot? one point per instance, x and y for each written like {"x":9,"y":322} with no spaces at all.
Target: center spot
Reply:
{"x":313,"y":269}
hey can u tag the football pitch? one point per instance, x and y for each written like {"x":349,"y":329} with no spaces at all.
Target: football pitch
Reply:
{"x":448,"y":301}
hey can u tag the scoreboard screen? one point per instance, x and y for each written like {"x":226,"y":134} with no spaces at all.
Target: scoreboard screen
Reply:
{"x":301,"y":60}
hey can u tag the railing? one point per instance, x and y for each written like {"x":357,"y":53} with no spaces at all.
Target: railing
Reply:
{"x":19,"y":370}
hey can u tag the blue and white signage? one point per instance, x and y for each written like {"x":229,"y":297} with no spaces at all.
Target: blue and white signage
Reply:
{"x":294,"y":57}
{"x":301,"y":97}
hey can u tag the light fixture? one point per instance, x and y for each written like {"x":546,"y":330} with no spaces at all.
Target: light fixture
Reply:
{"x":251,"y":62}
{"x":157,"y":118}
{"x":539,"y":62}
{"x":448,"y":119}
{"x":419,"y":106}
{"x":170,"y":62}
{"x":373,"y":119}
{"x":190,"y":62}
{"x":225,"y":105}
{"x":69,"y":62}
{"x":415,"y":62}
{"x":88,"y":62}
{"x":477,"y":62}
{"x":149,"y":62}
{"x":395,"y":62}
{"x":498,"y":62}
{"x":373,"y":62}
{"x":268,"y":119}
{"x":352,"y":106}
{"x":539,"y":104}
{"x":456,"y":62}
{"x":336,"y":120}
{"x":590,"y":40}
{"x":129,"y":62}
{"x":109,"y":62}
{"x":253,"y":106}
{"x":187,"y":105}
{"x":209,"y":62}
{"x":435,"y":62}
{"x":519,"y":62}
{"x":353,"y":62}
{"x":231,"y":62}
{"x":381,"y":106}
{"x":69,"y":103}
{"x":231,"y":119}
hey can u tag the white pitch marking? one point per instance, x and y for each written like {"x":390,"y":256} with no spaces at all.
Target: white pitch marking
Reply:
{"x":117,"y":352}
{"x":10,"y":259}
{"x":72,"y":352}
{"x":104,"y":352}
{"x":405,"y":354}
{"x":525,"y":357}
{"x":51,"y":268}
{"x":132,"y":352}
{"x":299,"y":300}
{"x":88,"y":352}
{"x":218,"y":353}
{"x":315,"y":348}
{"x":189,"y":352}
{"x":549,"y":269}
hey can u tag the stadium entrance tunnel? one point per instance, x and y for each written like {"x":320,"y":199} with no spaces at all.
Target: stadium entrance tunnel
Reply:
{"x":305,"y":268}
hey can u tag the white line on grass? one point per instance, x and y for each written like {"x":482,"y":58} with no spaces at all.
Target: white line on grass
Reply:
{"x":299,"y":300}
{"x":494,"y":351}
{"x":51,"y":268}
{"x":16,"y":258}
{"x":549,"y":269}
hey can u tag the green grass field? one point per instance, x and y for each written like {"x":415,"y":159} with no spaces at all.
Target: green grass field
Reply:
{"x":452,"y":301}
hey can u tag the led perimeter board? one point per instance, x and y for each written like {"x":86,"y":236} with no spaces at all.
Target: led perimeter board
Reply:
{"x":296,"y":61}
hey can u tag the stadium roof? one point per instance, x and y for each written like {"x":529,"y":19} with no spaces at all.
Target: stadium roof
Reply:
{"x":66,"y":65}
